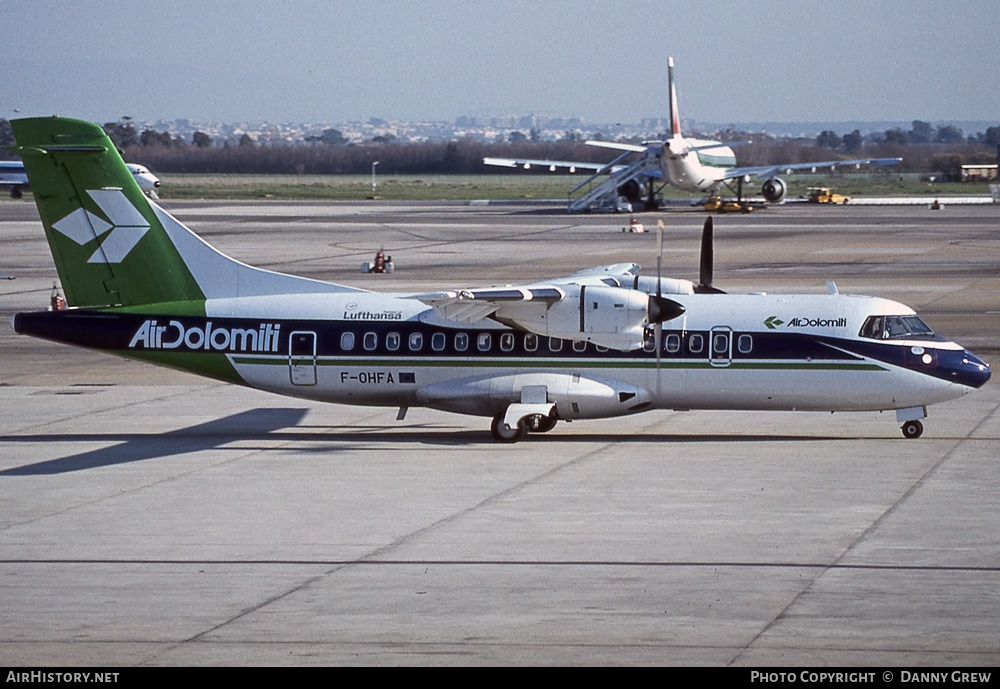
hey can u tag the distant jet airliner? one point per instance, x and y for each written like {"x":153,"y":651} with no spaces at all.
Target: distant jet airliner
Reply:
{"x":601,"y":343}
{"x":12,"y":175}
{"x":695,"y":165}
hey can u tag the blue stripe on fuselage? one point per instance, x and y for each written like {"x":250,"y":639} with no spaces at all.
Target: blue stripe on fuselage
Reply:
{"x":954,"y":365}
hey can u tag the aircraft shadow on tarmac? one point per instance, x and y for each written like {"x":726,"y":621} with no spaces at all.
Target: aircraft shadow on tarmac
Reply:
{"x":279,"y":424}
{"x":137,"y":447}
{"x":427,"y":434}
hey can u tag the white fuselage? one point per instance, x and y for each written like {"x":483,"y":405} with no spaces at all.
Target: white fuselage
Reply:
{"x":367,"y":348}
{"x":696,"y":170}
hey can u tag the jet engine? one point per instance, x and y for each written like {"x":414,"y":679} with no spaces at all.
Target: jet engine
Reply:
{"x":774,"y":190}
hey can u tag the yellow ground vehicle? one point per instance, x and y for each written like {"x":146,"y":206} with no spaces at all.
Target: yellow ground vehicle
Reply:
{"x":825,"y":195}
{"x":718,"y":205}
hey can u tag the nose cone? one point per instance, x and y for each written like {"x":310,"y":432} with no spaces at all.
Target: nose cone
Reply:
{"x":971,"y":370}
{"x":661,"y":309}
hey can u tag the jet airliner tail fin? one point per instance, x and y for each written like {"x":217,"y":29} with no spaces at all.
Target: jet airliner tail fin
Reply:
{"x":111,"y":245}
{"x":675,"y":115}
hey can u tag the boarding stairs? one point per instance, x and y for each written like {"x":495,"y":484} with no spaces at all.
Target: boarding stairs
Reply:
{"x":607,"y":191}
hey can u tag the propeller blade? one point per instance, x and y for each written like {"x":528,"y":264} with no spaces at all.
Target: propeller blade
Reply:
{"x":658,"y":327}
{"x":704,"y":285}
{"x":659,"y":254}
{"x":707,"y":256}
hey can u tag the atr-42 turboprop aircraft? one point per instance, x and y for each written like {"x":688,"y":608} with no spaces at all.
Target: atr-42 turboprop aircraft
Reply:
{"x":695,"y":165}
{"x":601,"y":343}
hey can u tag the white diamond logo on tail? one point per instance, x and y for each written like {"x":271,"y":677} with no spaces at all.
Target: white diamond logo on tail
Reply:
{"x":81,"y":226}
{"x":127,"y":226}
{"x":117,"y":246}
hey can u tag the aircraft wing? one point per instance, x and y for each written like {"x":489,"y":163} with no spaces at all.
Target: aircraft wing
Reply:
{"x":528,"y":163}
{"x":471,"y":305}
{"x":773,"y":170}
{"x":597,"y":305}
{"x":631,"y":148}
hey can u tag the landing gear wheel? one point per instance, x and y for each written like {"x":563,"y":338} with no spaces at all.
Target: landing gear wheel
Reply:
{"x":536,"y":423}
{"x":505,"y":434}
{"x":912,"y":429}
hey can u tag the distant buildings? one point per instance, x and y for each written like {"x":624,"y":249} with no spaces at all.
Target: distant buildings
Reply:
{"x":492,"y":128}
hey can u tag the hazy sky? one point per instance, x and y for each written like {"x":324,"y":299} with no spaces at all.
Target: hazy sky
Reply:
{"x":328,"y":61}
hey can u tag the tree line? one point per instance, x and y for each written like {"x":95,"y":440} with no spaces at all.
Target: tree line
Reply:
{"x":924,"y":149}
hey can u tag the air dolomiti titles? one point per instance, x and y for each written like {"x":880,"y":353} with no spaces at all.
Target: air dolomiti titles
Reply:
{"x":174,"y":335}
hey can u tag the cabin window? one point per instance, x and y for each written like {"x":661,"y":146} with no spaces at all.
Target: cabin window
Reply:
{"x":530,"y":342}
{"x":461,"y":342}
{"x":745,"y":344}
{"x":895,"y":327}
{"x":484,"y":342}
{"x":392,"y":342}
{"x":437,"y":342}
{"x":696,"y":343}
{"x":600,"y":348}
{"x":416,"y":341}
{"x":507,"y":342}
{"x":649,"y":341}
{"x":347,"y":341}
{"x":579,"y":345}
{"x":720,"y":343}
{"x":555,"y":344}
{"x":370,"y":341}
{"x":673,"y":343}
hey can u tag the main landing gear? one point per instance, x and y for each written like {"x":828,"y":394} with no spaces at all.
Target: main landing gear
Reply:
{"x":912,"y":429}
{"x":534,"y":423}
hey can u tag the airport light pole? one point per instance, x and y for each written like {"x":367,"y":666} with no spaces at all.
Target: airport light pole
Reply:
{"x":373,"y":178}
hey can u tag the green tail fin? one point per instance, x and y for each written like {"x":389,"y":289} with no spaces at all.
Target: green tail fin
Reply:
{"x":113,"y":246}
{"x":109,"y":246}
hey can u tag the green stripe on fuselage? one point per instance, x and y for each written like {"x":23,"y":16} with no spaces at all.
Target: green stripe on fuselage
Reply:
{"x":209,"y":364}
{"x":567,"y":364}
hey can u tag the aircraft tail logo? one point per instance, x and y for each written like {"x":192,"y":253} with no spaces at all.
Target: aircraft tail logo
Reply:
{"x":111,"y":245}
{"x":675,"y":115}
{"x":127,"y":226}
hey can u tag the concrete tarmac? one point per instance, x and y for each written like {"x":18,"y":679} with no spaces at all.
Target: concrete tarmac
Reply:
{"x":149,"y":517}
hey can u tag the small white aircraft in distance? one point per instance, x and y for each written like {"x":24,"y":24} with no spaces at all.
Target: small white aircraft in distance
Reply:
{"x":601,"y":343}
{"x":694,"y":165}
{"x":12,"y":175}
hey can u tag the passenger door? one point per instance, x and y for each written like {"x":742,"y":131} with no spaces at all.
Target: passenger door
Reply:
{"x":302,"y":357}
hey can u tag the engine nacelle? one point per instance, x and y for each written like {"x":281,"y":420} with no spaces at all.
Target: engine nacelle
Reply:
{"x":647,"y":284}
{"x":608,"y":316}
{"x":611,"y":317}
{"x":774,"y":190}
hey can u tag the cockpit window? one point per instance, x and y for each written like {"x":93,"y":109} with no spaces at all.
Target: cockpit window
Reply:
{"x":895,"y":328}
